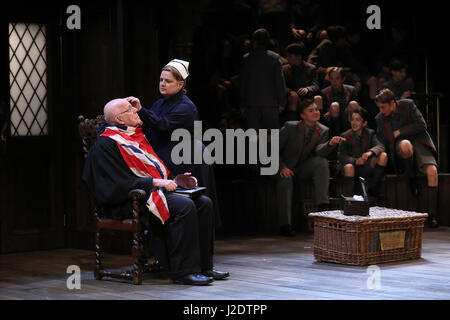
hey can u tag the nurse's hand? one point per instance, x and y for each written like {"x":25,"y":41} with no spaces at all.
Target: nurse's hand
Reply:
{"x":135,"y":103}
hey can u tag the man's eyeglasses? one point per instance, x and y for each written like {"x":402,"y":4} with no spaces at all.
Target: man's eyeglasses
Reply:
{"x":130,"y":109}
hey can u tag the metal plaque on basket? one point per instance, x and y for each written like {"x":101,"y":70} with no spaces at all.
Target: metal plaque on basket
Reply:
{"x":353,"y":207}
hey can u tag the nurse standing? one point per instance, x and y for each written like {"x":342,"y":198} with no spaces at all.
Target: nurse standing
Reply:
{"x":173,"y":111}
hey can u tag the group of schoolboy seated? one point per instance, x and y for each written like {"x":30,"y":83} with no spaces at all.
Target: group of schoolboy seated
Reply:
{"x":320,"y":117}
{"x":400,"y":139}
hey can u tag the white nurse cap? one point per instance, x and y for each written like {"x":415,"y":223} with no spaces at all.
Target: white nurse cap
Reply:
{"x":181,"y":66}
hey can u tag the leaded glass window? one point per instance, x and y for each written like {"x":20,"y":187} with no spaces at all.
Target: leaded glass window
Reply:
{"x":28,"y":79}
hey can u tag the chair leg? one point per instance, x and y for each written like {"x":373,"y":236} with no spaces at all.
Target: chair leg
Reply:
{"x":98,"y":257}
{"x":145,"y":244}
{"x":137,"y":252}
{"x":145,"y":252}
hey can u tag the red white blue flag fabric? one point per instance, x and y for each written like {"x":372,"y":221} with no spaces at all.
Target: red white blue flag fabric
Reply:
{"x":143,"y":162}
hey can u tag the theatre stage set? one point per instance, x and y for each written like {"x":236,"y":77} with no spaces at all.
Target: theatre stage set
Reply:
{"x":261,"y":268}
{"x":46,"y":237}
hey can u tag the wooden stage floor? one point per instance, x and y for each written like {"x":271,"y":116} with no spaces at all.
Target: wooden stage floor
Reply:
{"x":262,"y":268}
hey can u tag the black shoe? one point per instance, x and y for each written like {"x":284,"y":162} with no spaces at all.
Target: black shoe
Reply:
{"x":323,"y":207}
{"x":216,"y":275}
{"x":287,"y":231}
{"x":414,"y":187}
{"x":194,"y":279}
{"x":432,"y":223}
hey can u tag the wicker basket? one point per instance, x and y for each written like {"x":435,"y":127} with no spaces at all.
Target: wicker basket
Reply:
{"x":385,"y":235}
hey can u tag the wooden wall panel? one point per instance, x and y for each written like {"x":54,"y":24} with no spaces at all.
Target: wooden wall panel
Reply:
{"x":249,"y":207}
{"x":31,"y":212}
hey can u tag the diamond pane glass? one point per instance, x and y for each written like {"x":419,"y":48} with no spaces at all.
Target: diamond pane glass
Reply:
{"x":22,"y":129}
{"x":41,"y":116}
{"x":28,"y":79}
{"x":21,"y":79}
{"x":34,"y":53}
{"x":27,"y":66}
{"x":28,"y":116}
{"x":15,"y":116}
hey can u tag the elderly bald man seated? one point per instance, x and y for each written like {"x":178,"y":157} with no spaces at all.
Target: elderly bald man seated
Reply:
{"x":182,"y":234}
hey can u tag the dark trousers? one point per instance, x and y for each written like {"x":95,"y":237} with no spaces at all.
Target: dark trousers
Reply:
{"x":185,"y":242}
{"x":316,"y":168}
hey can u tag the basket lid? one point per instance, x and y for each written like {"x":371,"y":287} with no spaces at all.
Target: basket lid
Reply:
{"x":375,"y":213}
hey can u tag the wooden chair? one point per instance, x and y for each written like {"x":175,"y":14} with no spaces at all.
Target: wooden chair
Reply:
{"x":87,"y":129}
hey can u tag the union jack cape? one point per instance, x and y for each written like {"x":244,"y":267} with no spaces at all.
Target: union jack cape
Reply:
{"x":143,"y":162}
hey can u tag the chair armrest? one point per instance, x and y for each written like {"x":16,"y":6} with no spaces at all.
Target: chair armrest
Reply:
{"x":137,"y":194}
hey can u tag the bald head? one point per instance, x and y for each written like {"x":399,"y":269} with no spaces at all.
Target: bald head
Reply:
{"x":112,"y":109}
{"x":120,"y":111}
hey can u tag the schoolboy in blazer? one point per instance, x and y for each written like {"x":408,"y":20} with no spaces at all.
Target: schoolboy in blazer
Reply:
{"x":402,"y":128}
{"x":362,"y":154}
{"x":304,"y":146}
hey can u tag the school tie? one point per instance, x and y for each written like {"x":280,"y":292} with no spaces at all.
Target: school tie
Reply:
{"x":358,"y":140}
{"x":308,"y":136}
